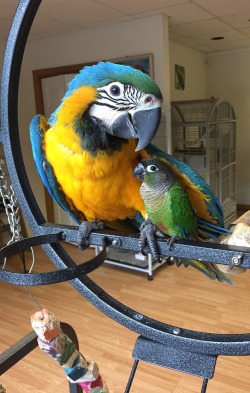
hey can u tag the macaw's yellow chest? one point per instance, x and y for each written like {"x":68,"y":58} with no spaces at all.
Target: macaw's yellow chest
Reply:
{"x":101,"y":186}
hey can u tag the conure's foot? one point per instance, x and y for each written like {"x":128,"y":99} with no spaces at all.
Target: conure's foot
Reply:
{"x":171,"y":241}
{"x":148,"y":233}
{"x":85,"y":228}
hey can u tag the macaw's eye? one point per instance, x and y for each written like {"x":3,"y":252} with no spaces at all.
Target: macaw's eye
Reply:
{"x":152,"y":168}
{"x":115,"y":90}
{"x":148,"y":100}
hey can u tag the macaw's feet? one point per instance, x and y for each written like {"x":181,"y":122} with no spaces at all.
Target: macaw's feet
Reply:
{"x":180,"y":262}
{"x":85,"y":228}
{"x":148,"y":234}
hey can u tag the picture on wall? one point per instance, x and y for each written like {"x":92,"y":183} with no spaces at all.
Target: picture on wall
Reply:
{"x":179,"y":77}
{"x":143,"y":63}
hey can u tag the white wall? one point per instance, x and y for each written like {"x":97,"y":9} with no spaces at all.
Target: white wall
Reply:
{"x":148,"y":35}
{"x":195,"y":72}
{"x":228,"y":77}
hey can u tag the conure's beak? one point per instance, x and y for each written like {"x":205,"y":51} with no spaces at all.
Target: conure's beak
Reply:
{"x":141,"y":125}
{"x":139,"y":172}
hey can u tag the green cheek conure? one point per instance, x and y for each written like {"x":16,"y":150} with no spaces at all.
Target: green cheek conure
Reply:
{"x":168,"y":208}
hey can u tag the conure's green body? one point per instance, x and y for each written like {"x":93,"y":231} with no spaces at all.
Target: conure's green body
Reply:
{"x":171,"y":211}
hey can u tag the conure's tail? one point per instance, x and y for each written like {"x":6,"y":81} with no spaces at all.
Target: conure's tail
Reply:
{"x":211,"y":270}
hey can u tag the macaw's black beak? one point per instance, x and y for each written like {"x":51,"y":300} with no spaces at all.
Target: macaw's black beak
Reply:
{"x":146,"y":124}
{"x":139,"y":172}
{"x":141,"y":125}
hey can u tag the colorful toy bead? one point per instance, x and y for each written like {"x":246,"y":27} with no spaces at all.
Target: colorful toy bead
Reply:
{"x":58,"y":345}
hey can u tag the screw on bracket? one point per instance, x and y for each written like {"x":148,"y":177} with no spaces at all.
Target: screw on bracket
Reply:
{"x":116,"y":242}
{"x":137,"y":316}
{"x":236,"y":261}
{"x":63,"y":237}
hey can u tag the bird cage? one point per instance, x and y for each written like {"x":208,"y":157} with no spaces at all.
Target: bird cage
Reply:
{"x":204,"y":137}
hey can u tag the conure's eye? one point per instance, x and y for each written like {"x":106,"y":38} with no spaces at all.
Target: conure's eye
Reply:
{"x":115,"y":90}
{"x":152,"y":168}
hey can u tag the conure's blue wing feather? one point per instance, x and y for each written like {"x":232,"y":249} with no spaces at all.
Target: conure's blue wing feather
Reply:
{"x":207,"y":207}
{"x":37,"y":128}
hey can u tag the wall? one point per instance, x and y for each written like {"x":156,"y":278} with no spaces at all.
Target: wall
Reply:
{"x":228,"y":77}
{"x":2,"y":48}
{"x":195,"y":72}
{"x":148,"y":35}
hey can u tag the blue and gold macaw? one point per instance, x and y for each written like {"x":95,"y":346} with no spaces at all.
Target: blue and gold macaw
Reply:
{"x":87,"y":151}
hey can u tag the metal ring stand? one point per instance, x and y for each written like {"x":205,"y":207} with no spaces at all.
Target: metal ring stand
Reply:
{"x":161,"y":344}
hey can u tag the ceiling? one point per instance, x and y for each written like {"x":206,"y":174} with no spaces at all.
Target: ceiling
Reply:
{"x":192,"y":23}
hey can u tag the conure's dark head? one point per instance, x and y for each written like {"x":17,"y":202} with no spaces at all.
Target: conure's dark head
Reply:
{"x":155,"y":174}
{"x":127,"y":103}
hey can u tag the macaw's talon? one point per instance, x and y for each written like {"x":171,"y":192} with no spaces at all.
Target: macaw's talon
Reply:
{"x":148,"y":233}
{"x":85,"y":228}
{"x":180,"y":262}
{"x":185,"y":262}
{"x":171,"y":241}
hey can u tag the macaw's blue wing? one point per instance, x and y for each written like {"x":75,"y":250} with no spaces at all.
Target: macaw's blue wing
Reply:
{"x":38,"y":127}
{"x":206,"y":205}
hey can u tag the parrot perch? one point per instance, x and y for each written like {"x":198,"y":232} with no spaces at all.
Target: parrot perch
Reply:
{"x":169,"y":212}
{"x":86,"y":152}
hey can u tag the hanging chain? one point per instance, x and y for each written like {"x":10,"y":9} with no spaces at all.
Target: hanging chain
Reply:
{"x":11,"y":205}
{"x":14,"y":219}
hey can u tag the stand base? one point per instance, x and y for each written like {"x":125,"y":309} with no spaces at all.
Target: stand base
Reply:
{"x":193,"y":363}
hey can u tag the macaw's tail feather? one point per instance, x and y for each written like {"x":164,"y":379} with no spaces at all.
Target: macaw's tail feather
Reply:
{"x":210,"y":270}
{"x":208,"y":230}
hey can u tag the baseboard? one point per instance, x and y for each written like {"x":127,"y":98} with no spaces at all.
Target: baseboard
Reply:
{"x":243,"y":207}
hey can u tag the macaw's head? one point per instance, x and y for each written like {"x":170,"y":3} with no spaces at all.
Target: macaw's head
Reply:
{"x":126,"y":103}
